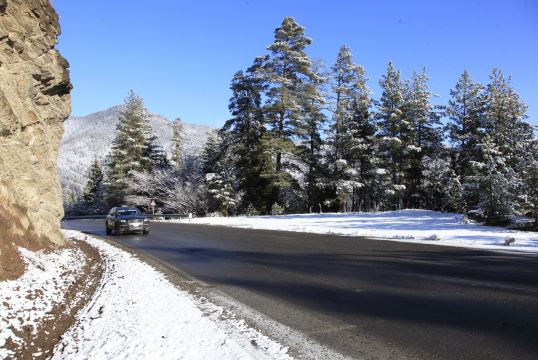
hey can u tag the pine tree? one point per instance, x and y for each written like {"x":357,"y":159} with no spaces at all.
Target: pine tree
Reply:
{"x":530,"y":181}
{"x":308,"y":130}
{"x":424,"y":135}
{"x":244,"y":132}
{"x":177,"y":143}
{"x":495,"y":181}
{"x":505,"y":122}
{"x":394,"y":133}
{"x":132,"y":149}
{"x":93,"y":191}
{"x":505,"y":119}
{"x":353,"y":133}
{"x":440,"y":184}
{"x":219,"y":175}
{"x":347,"y":77}
{"x":286,"y":70}
{"x":466,"y":118}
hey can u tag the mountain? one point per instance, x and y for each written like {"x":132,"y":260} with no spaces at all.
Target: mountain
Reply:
{"x":90,"y":137}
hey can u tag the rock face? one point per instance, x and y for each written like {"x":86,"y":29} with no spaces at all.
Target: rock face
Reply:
{"x":34,"y":102}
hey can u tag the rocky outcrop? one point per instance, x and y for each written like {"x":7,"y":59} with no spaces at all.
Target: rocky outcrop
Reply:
{"x":34,"y":102}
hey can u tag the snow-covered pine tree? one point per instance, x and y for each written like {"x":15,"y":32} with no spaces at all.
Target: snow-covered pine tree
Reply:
{"x":286,"y":70}
{"x":352,"y":133}
{"x":439,"y":183}
{"x":245,"y":132}
{"x":530,"y":180}
{"x":505,"y":120}
{"x":219,"y":174}
{"x":424,"y":135}
{"x":345,"y":76}
{"x":93,"y":191}
{"x":393,"y":134}
{"x":177,"y":143}
{"x":496,"y":182}
{"x":308,"y":131}
{"x":131,"y":149}
{"x":465,"y":127}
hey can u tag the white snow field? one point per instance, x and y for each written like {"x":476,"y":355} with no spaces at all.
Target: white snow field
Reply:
{"x":419,"y":226}
{"x":138,"y":314}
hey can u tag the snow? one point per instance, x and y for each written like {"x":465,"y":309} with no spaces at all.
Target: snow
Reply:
{"x":26,"y":301}
{"x":419,"y":226}
{"x":138,"y":314}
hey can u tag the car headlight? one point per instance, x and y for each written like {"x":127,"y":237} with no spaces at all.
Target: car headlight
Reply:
{"x":123,"y":221}
{"x":146,"y":220}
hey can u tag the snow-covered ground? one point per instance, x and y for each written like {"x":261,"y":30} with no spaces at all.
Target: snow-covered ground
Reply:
{"x":138,"y":314}
{"x":421,"y":226}
{"x":26,"y":302}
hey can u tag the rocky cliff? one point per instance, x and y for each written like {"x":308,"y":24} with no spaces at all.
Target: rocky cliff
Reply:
{"x":34,"y":102}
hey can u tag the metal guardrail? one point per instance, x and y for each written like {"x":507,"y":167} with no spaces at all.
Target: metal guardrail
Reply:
{"x":84,"y":217}
{"x":150,"y":216}
{"x":168,"y":216}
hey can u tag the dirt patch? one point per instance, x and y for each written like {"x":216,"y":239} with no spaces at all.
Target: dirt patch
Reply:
{"x":39,"y":345}
{"x":16,"y":232}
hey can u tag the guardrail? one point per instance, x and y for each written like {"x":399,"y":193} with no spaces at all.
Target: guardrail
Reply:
{"x":84,"y":217}
{"x":168,"y":216}
{"x":150,"y":216}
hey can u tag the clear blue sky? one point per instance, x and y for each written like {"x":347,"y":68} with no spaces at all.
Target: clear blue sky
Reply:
{"x":181,"y":55}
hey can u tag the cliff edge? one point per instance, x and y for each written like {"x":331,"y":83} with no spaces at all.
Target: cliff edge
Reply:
{"x":34,"y":102}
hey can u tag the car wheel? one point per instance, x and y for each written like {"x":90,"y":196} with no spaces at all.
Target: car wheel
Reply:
{"x":118,"y":230}
{"x":145,"y":232}
{"x":108,"y":231}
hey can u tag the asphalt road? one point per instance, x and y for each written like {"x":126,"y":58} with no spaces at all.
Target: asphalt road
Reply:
{"x":364,"y":298}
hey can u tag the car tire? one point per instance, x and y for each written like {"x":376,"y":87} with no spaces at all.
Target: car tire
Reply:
{"x":145,"y":232}
{"x":108,"y":231}
{"x":118,"y":231}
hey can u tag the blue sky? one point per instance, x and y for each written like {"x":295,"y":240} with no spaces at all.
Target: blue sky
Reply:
{"x":181,"y":55}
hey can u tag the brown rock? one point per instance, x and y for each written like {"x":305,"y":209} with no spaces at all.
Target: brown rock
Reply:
{"x":34,"y":102}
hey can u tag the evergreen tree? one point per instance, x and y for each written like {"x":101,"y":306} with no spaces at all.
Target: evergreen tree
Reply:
{"x":93,"y":191}
{"x":245,"y":134}
{"x":530,"y":181}
{"x":132,"y":149}
{"x":393,"y":134}
{"x":505,"y":120}
{"x":177,"y":143}
{"x":220,"y":177}
{"x":495,"y":181}
{"x":423,"y":136}
{"x":440,"y":184}
{"x":211,"y":152}
{"x":286,"y":70}
{"x":509,"y":138}
{"x":347,"y":77}
{"x":466,"y":116}
{"x":353,"y":133}
{"x":308,"y":130}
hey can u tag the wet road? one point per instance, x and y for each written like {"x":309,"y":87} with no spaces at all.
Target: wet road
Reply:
{"x":364,"y":298}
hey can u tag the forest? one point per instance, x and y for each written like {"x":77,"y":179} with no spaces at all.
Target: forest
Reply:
{"x":306,"y":137}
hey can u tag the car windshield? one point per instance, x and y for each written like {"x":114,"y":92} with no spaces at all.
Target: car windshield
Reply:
{"x":128,"y":212}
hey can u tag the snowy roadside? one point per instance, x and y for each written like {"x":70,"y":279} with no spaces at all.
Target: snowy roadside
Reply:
{"x":138,"y":314}
{"x":37,"y":308}
{"x":417,"y":226}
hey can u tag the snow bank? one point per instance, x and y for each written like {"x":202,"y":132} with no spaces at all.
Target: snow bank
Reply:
{"x":138,"y":314}
{"x":420,"y":226}
{"x":28,"y":300}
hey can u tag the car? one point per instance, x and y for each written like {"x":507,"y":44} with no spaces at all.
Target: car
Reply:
{"x":126,"y":219}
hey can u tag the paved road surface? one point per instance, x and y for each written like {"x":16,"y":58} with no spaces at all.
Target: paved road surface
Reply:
{"x":364,"y":298}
